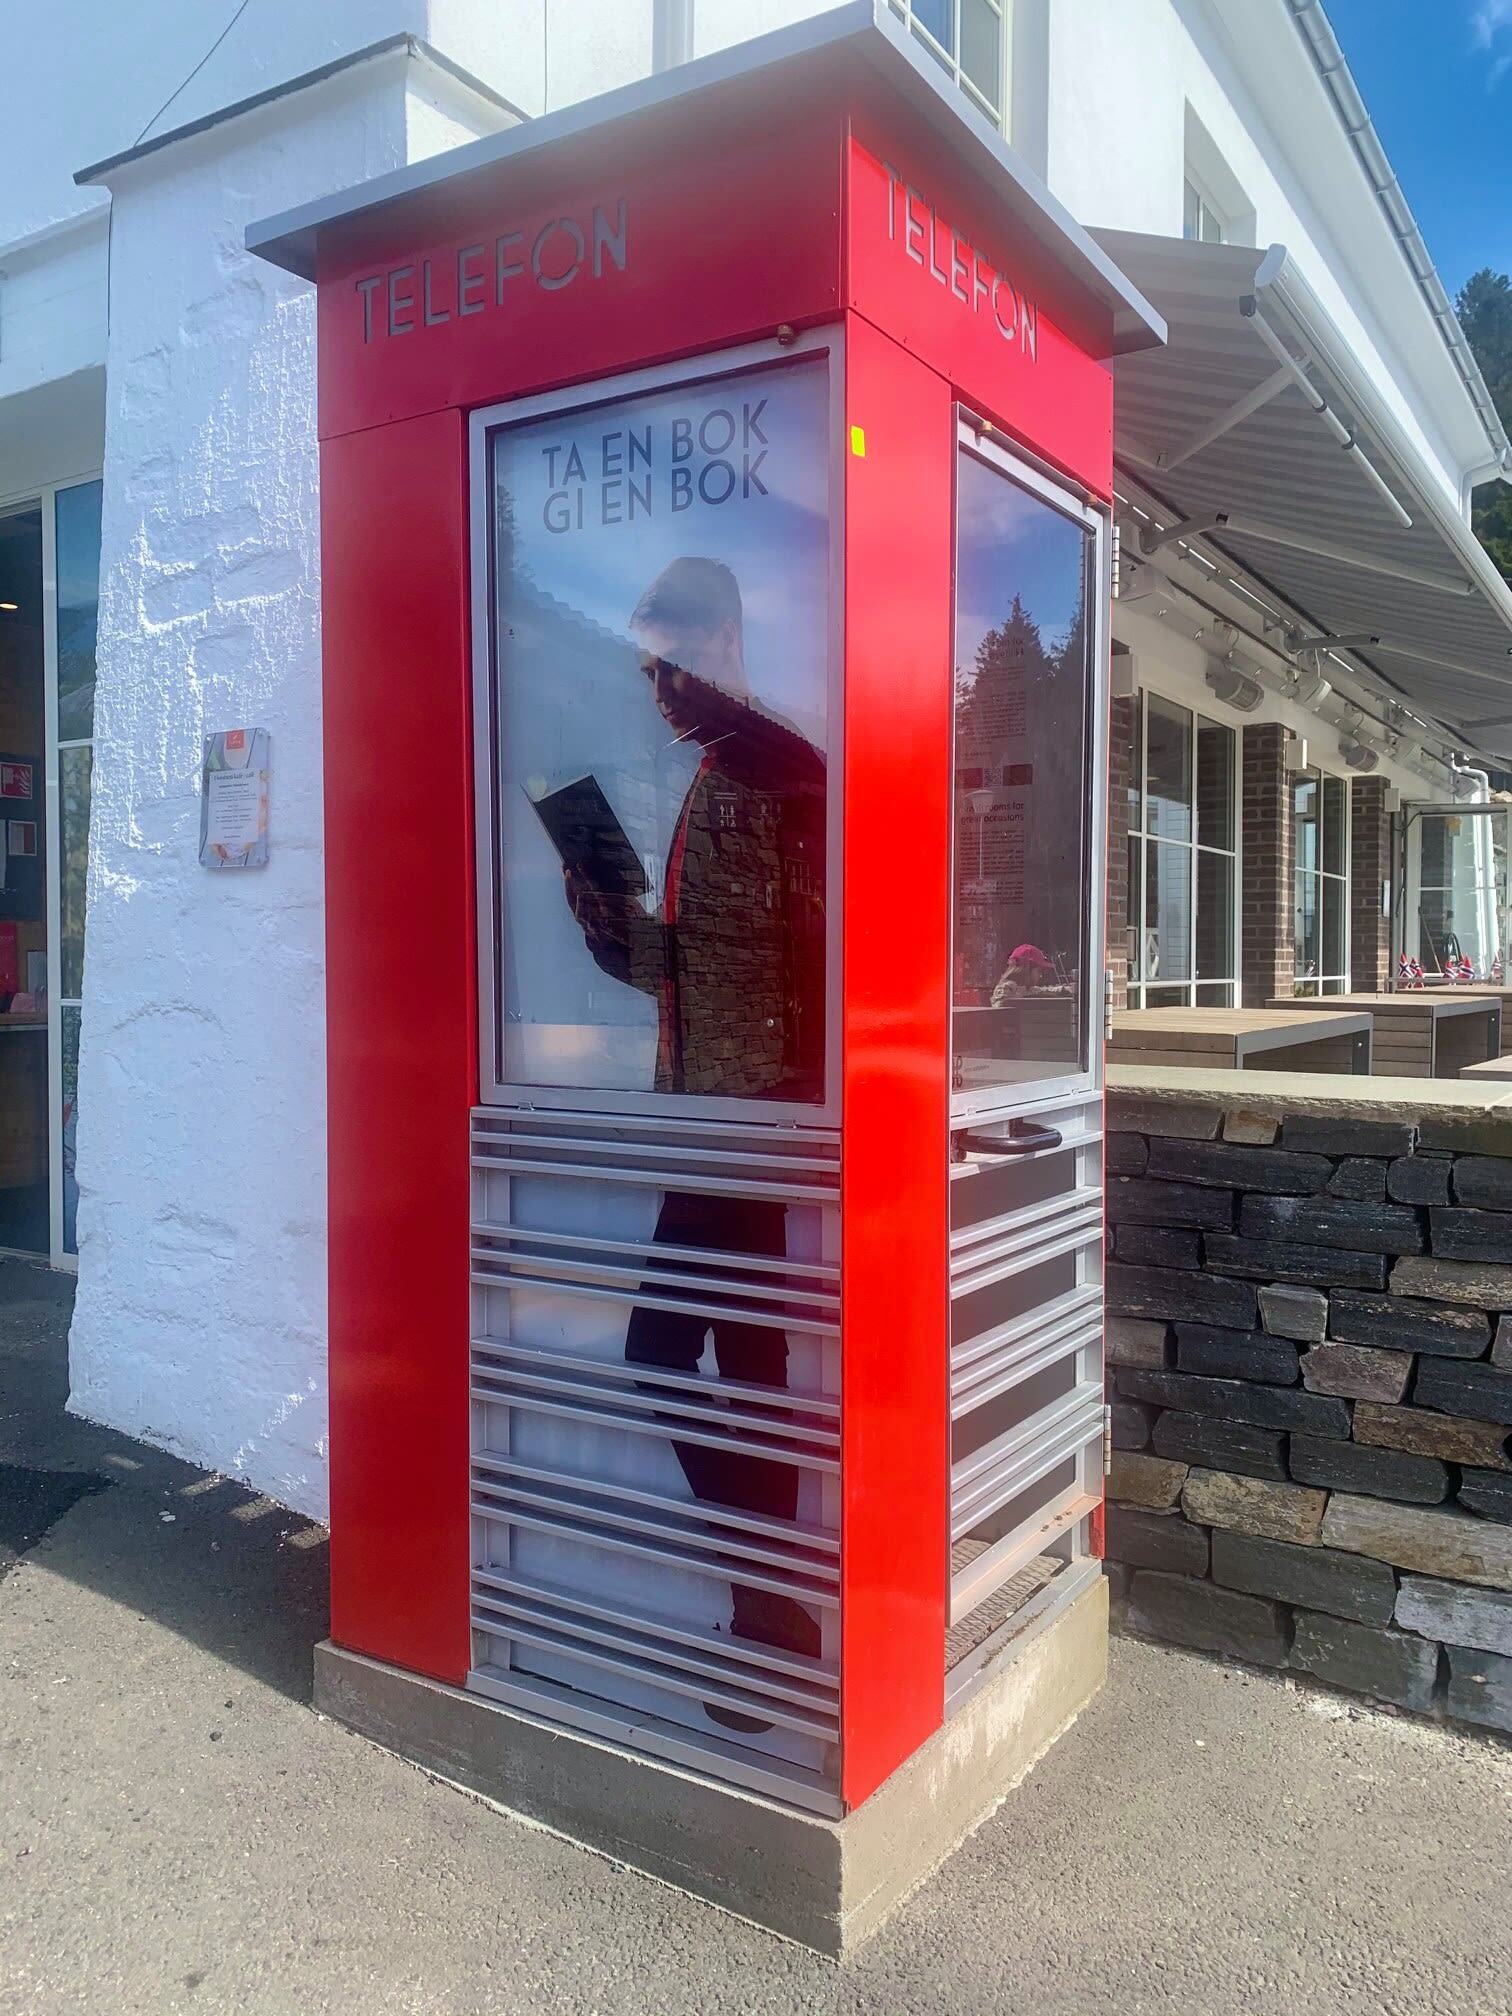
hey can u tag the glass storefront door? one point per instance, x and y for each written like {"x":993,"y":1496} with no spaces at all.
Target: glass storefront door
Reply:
{"x":49,"y":595}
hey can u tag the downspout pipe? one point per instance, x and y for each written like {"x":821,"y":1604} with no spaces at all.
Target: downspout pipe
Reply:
{"x":671,"y":34}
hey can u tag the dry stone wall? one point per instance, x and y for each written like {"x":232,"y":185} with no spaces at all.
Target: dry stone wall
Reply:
{"x":1310,"y":1374}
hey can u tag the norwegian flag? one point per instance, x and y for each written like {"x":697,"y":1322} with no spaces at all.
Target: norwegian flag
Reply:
{"x":1409,"y":972}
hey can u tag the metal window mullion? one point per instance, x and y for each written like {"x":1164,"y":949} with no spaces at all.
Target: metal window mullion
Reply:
{"x":687,"y":1405}
{"x":770,"y":1319}
{"x":709,"y":1656}
{"x":750,"y":1571}
{"x":649,"y":1673}
{"x":824,"y":1272}
{"x":714,"y":1186}
{"x":795,"y":1532}
{"x":571,"y":1268}
{"x":569,"y":1408}
{"x":816,"y":1673}
{"x":802,"y":1400}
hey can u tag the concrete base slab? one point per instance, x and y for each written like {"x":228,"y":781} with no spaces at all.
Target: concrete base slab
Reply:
{"x":824,"y":1883}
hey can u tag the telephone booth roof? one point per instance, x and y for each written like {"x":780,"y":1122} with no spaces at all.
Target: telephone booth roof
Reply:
{"x":732,"y":180}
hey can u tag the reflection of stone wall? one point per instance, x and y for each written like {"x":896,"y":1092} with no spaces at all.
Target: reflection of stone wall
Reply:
{"x":1310,"y":1335}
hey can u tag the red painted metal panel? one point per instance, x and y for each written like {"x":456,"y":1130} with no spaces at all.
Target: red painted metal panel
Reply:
{"x":931,"y":260}
{"x":401,"y":1037}
{"x":898,"y":534}
{"x":674,"y":240}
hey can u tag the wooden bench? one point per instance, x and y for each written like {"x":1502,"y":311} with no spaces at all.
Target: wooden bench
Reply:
{"x":1421,"y":1033}
{"x":1242,"y":1039}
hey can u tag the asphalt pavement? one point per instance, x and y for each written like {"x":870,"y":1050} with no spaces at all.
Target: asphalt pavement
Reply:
{"x":180,"y":1832}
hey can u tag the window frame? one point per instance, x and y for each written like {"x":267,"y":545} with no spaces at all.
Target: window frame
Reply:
{"x":1207,"y":208}
{"x":826,"y":344}
{"x":1317,"y":986}
{"x":1018,"y":466}
{"x":950,"y":59}
{"x":1197,"y":992}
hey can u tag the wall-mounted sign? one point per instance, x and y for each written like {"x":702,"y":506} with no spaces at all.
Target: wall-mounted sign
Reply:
{"x":234,"y":799}
{"x":15,"y":780}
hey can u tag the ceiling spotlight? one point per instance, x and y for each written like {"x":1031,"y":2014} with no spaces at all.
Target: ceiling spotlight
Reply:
{"x":1358,"y":755}
{"x":1234,"y":688}
{"x":10,"y":608}
{"x":1311,"y":689}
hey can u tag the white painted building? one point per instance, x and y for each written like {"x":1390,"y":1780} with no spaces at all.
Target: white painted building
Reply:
{"x":153,"y":373}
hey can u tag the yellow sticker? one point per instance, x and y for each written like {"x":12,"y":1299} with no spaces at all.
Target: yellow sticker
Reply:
{"x":858,"y":441}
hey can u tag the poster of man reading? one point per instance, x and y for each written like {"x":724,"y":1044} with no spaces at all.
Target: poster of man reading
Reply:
{"x":663,"y":628}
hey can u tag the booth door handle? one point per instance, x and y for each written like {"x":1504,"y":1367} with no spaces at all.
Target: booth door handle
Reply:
{"x":1026,"y":1139}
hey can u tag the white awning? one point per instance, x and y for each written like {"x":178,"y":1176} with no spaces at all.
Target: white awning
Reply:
{"x":1257,"y":428}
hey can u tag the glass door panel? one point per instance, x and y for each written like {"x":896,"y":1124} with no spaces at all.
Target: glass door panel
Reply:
{"x":662,"y":615}
{"x":24,"y":1164}
{"x":1023,"y":793}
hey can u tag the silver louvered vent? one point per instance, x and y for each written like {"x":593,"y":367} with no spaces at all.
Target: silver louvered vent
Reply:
{"x":699,"y":1624}
{"x":1026,"y":1389}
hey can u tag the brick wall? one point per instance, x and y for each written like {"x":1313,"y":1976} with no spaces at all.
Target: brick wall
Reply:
{"x":1369,"y":868}
{"x":1120,"y":770}
{"x":1265,"y":904}
{"x":1310,"y":1343}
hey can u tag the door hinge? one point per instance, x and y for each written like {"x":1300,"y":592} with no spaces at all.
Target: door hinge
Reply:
{"x":1107,"y":1440}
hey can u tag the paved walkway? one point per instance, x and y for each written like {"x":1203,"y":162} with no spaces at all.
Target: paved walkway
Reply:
{"x":178,"y":1832}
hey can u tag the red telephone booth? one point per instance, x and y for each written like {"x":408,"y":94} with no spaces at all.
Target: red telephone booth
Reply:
{"x":715,"y":515}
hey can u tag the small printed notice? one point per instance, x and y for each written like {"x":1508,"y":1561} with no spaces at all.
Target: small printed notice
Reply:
{"x":234,"y":799}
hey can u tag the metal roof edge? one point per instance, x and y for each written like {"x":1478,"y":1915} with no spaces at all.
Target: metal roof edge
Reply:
{"x":289,"y":238}
{"x":1314,"y":27}
{"x":413,"y":46}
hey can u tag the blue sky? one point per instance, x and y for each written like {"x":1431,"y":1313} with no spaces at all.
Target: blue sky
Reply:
{"x":1437,"y":77}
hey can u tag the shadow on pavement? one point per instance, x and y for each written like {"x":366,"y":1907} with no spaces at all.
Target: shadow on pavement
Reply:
{"x":237,"y":1575}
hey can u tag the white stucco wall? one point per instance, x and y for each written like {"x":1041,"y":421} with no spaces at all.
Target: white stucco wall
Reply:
{"x":200,"y":1322}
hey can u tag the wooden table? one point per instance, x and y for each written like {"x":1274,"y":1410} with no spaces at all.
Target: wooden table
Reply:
{"x":1422,"y":1033}
{"x":1242,"y":1039}
{"x":1487,"y":991}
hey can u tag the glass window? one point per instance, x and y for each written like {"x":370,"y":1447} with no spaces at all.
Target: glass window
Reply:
{"x":969,"y":39}
{"x":662,"y":623}
{"x":1022,"y":791}
{"x":78,"y":551}
{"x":1459,"y":901}
{"x":1320,"y":876}
{"x":1199,"y":219}
{"x":77,"y":532}
{"x":75,"y":765}
{"x":1183,"y":921}
{"x":1168,"y":911}
{"x":1215,"y":785}
{"x":1215,"y":915}
{"x":1168,"y":770}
